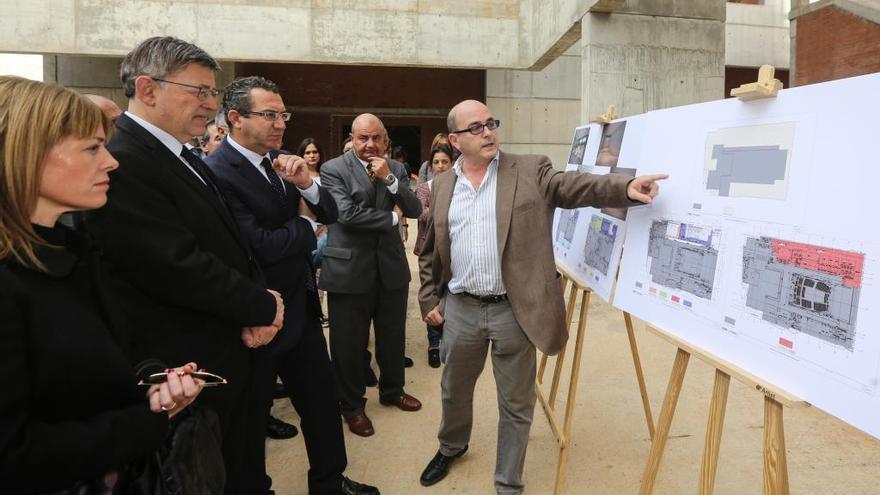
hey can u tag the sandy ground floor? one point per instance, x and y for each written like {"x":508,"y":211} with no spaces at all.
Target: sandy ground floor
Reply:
{"x":610,"y":440}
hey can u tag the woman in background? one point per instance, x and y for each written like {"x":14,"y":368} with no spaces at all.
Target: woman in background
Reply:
{"x":311,"y":152}
{"x":441,"y":161}
{"x":425,"y":173}
{"x":72,"y":417}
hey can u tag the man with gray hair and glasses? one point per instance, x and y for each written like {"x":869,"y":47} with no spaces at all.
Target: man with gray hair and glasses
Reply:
{"x":188,"y":276}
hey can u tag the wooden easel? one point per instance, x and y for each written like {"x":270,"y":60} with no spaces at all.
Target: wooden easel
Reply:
{"x":775,"y":461}
{"x":775,"y":464}
{"x":548,"y":403}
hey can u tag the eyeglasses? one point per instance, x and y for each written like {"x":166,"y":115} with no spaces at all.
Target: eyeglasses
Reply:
{"x":477,"y":128}
{"x":271,"y":116}
{"x":203,"y":91}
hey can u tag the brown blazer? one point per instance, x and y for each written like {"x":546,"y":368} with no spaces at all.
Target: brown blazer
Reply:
{"x":528,"y":191}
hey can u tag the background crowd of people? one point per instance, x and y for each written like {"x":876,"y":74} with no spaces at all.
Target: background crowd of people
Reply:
{"x":193,"y":280}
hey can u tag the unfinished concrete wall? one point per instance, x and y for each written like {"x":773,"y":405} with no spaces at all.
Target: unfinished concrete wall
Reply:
{"x":100,"y":75}
{"x":454,"y":33}
{"x":538,"y":110}
{"x":757,"y":34}
{"x":652,"y":54}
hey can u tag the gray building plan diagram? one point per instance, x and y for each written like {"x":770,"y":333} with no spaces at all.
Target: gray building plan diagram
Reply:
{"x":566,"y":225}
{"x":750,"y":161}
{"x":811,"y":289}
{"x":600,"y":243}
{"x":683,"y":256}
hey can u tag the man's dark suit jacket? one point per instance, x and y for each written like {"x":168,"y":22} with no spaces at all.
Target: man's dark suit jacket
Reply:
{"x":281,"y":240}
{"x":192,"y":280}
{"x":363,"y":248}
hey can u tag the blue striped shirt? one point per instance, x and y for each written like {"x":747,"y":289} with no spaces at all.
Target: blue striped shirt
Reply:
{"x":473,"y":234}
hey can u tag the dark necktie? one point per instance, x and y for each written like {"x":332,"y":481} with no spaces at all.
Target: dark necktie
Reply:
{"x":202,"y":171}
{"x":274,"y":180}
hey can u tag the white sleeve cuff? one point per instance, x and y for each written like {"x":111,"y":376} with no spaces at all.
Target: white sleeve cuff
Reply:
{"x":311,"y":193}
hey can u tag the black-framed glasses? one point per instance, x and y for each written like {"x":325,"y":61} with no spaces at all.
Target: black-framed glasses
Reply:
{"x":203,"y":91}
{"x":270,"y":116}
{"x":477,"y":128}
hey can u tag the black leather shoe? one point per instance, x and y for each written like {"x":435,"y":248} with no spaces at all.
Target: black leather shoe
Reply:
{"x":370,"y":379}
{"x":438,"y":468}
{"x":434,"y":358}
{"x":407,"y":362}
{"x":350,"y":487}
{"x":279,"y":430}
{"x":279,"y":392}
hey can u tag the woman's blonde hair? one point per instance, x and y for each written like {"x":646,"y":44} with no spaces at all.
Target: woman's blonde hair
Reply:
{"x":34,"y":117}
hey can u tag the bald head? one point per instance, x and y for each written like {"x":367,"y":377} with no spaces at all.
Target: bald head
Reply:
{"x":466,"y":106}
{"x":110,"y":109}
{"x":366,"y":119}
{"x":473,"y":131}
{"x":369,"y":136}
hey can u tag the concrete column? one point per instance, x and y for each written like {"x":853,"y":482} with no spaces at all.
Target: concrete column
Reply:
{"x":100,"y":75}
{"x":652,"y":54}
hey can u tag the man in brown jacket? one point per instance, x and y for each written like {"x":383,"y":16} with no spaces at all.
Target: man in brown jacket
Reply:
{"x":488,"y":275}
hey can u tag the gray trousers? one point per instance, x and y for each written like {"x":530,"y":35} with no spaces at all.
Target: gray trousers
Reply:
{"x":470,"y":328}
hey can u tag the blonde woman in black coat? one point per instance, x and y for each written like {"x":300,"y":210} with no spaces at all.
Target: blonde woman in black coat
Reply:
{"x":72,"y":418}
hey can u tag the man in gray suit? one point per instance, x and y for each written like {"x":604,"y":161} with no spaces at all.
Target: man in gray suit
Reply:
{"x":365,"y":272}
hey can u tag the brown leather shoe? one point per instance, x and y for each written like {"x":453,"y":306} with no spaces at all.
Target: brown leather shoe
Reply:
{"x":360,"y":425}
{"x":405,"y":402}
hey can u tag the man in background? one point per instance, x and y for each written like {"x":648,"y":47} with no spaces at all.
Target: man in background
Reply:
{"x":365,"y":272}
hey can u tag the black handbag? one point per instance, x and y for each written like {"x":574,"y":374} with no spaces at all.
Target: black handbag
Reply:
{"x":190,"y":461}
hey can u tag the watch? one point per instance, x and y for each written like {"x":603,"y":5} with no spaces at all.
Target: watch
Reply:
{"x":389,"y":180}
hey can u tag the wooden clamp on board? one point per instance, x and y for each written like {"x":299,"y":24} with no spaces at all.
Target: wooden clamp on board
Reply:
{"x":606,"y":117}
{"x":548,"y":403}
{"x":766,"y":87}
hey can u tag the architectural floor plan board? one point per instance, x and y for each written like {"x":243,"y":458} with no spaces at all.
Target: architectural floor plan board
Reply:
{"x":579,"y":145}
{"x":762,"y":248}
{"x":587,"y":242}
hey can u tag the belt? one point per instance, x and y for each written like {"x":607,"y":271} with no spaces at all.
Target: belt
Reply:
{"x":492,"y":299}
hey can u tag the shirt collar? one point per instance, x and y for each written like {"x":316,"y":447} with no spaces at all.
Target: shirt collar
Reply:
{"x":166,"y":139}
{"x":364,"y":163}
{"x":251,"y":156}
{"x":457,"y":167}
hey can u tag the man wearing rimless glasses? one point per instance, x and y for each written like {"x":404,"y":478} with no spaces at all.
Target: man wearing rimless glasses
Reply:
{"x":488,"y":276}
{"x":191,"y":282}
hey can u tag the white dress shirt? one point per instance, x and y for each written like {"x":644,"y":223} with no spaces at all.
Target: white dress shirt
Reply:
{"x":167,"y":140}
{"x":473,"y":234}
{"x":311,"y":193}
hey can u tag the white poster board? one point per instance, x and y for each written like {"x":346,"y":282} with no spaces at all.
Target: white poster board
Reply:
{"x":587,"y":242}
{"x":763,"y":248}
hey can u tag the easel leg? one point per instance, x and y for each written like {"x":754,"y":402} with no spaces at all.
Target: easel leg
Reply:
{"x":713,"y":432}
{"x":568,"y":315}
{"x":572,"y":392}
{"x":658,"y":444}
{"x":643,"y":390}
{"x":775,"y":463}
{"x":560,"y":359}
